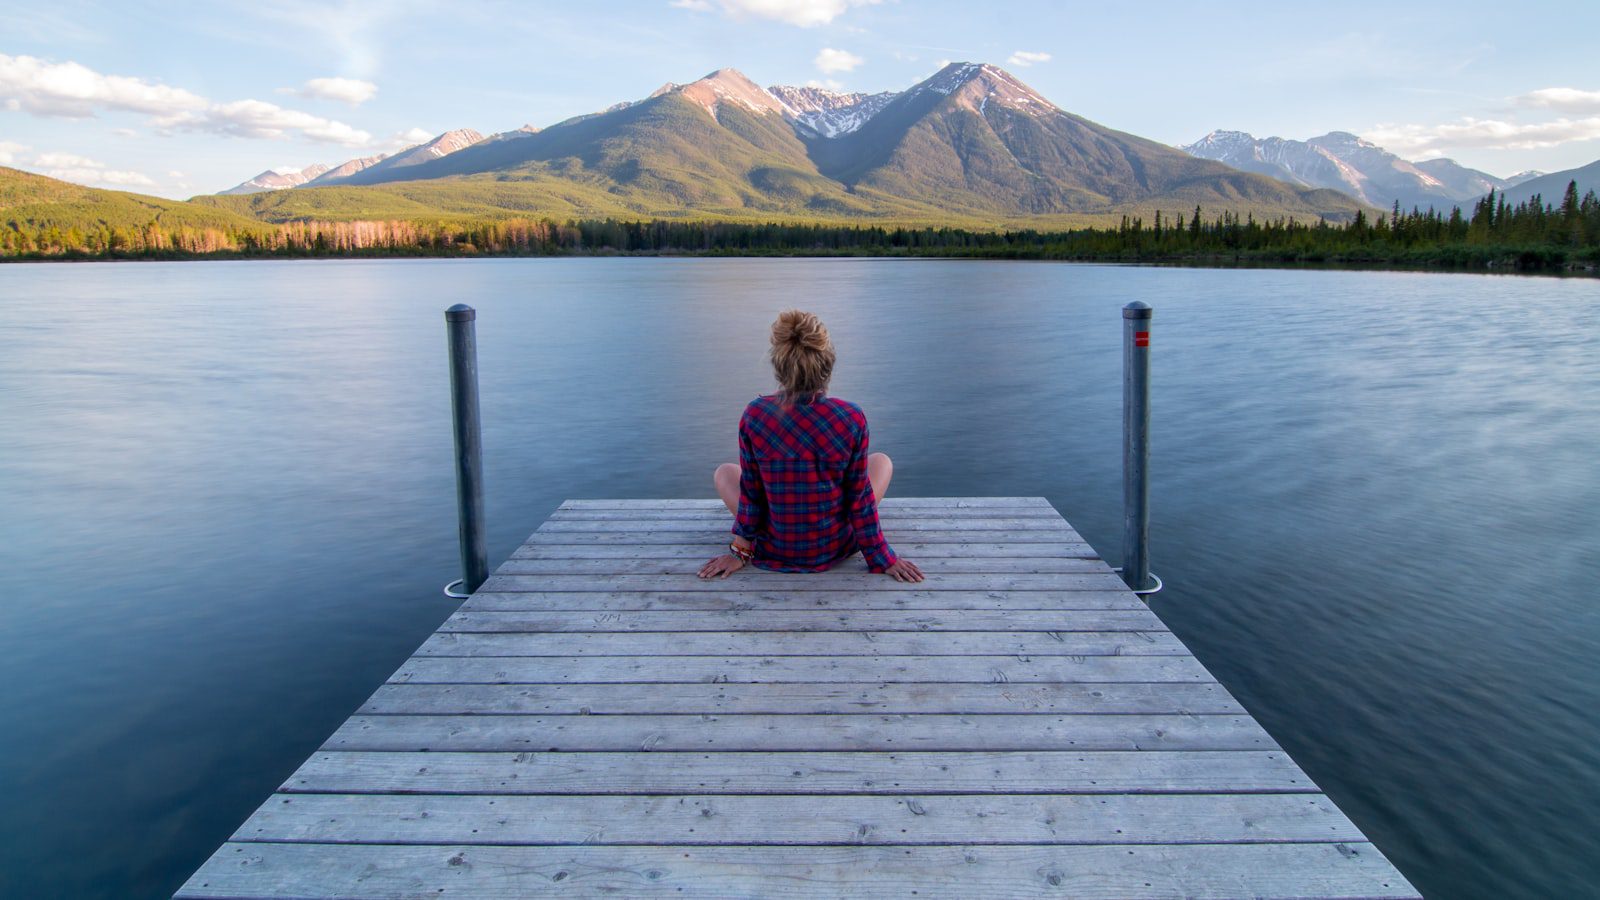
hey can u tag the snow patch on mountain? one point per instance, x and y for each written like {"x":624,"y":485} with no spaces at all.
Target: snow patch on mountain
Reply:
{"x":976,"y":85}
{"x":826,"y":113}
{"x":1345,"y":162}
{"x":443,"y":145}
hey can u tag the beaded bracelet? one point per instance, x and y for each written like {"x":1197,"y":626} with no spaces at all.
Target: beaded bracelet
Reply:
{"x":745,"y":554}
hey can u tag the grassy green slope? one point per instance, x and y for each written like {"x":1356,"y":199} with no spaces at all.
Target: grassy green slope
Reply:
{"x":36,"y":201}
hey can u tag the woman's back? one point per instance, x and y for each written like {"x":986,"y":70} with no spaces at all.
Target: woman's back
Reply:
{"x":804,"y":495}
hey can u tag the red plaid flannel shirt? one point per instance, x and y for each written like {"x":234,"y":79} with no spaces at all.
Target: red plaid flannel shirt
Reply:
{"x":804,"y":497}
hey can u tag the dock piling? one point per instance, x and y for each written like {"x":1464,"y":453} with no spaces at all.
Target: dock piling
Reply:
{"x":460,"y":320}
{"x":1136,"y":445}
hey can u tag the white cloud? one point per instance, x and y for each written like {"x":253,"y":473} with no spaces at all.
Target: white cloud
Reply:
{"x":267,"y":121}
{"x":74,"y":91}
{"x":1567,"y":100}
{"x":408,"y":138}
{"x":803,"y":13}
{"x":77,"y":92}
{"x":353,"y":91}
{"x":825,"y":84}
{"x":831,"y":62}
{"x":1026,"y":58}
{"x":1482,"y":134}
{"x":9,"y":151}
{"x":83,"y":170}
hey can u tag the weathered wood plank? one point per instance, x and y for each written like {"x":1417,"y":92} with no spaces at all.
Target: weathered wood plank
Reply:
{"x":776,"y":819}
{"x":722,"y":514}
{"x":810,"y":643}
{"x":855,"y":565}
{"x":888,"y":503}
{"x":719,"y":536}
{"x":782,"y":699}
{"x":714,"y":733}
{"x":596,"y":692}
{"x":807,"y":669}
{"x":891,"y":524}
{"x":703,"y":550}
{"x":875,"y":621}
{"x":756,"y":579}
{"x":1084,"y":872}
{"x":915,"y":772}
{"x":875,"y":602}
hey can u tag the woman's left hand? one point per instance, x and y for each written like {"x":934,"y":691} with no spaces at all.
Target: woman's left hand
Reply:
{"x":722,"y":566}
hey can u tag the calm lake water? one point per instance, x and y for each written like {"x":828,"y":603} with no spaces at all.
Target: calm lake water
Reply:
{"x":229,"y":508}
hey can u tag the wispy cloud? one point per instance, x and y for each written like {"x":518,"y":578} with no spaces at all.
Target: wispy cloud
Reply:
{"x":1567,"y":100}
{"x":352,"y":29}
{"x":1481,"y":134}
{"x":802,"y":13}
{"x":265,"y":121}
{"x":83,"y":170}
{"x":408,"y":138}
{"x":1026,"y":58}
{"x":831,"y":62}
{"x":353,"y":91}
{"x":70,"y":90}
{"x":9,"y":151}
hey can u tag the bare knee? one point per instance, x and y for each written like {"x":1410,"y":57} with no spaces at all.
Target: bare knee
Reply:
{"x":880,"y":468}
{"x":727,"y":473}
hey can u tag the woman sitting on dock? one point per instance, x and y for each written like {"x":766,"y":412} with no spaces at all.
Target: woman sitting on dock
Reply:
{"x":805,"y":491}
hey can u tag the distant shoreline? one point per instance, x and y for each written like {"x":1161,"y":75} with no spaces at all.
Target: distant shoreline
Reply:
{"x":1509,"y":264}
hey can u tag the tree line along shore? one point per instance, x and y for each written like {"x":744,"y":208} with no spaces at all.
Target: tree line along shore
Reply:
{"x":1533,"y":236}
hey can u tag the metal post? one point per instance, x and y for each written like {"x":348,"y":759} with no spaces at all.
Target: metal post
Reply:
{"x":469,"y":443}
{"x":1136,"y":445}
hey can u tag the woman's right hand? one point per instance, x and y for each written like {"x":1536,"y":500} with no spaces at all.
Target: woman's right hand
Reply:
{"x":722,"y":566}
{"x":904,"y":570}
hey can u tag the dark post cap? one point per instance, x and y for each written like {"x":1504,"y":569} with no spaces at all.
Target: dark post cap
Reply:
{"x":460,"y":313}
{"x":1138,"y":309}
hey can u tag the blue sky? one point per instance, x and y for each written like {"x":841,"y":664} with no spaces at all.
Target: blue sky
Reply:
{"x":179,"y":99}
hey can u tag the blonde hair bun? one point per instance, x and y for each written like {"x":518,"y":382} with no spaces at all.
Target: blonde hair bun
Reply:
{"x":800,"y":329}
{"x":802,"y":352}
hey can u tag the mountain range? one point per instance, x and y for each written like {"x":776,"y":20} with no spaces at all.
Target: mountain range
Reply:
{"x":972,"y":144}
{"x":1553,"y":187}
{"x":1360,"y":169}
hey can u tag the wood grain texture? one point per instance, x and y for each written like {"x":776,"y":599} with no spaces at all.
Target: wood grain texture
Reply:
{"x":1095,"y":872}
{"x":598,"y":721}
{"x":799,"y":669}
{"x":688,"y":566}
{"x":803,"y":772}
{"x":799,"y":819}
{"x":807,"y":621}
{"x":917,"y":550}
{"x":700,"y":642}
{"x":719,"y":535}
{"x":890,"y":602}
{"x":758,"y":580}
{"x":785,"y":699}
{"x":800,"y":731}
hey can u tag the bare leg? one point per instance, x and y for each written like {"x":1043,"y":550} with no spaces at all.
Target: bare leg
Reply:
{"x":726,"y":478}
{"x":880,"y":468}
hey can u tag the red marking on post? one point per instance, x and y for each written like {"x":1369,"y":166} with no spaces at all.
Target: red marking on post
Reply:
{"x":1141,"y":338}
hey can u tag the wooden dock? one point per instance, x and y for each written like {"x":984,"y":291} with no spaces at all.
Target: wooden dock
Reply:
{"x":598,"y":721}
